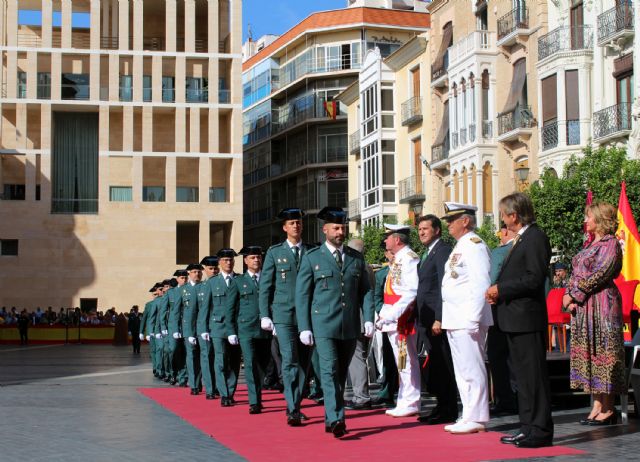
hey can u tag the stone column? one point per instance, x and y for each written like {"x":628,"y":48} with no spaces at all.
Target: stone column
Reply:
{"x":156,"y":79}
{"x":94,"y":31}
{"x":212,"y":32}
{"x":47,"y":20}
{"x":123,"y":24}
{"x":180,"y":79}
{"x":127,"y":128}
{"x":180,"y":135}
{"x":56,"y":76}
{"x":170,"y":24}
{"x":479,"y":195}
{"x":170,"y":179}
{"x":114,"y":77}
{"x":114,"y":18}
{"x":204,"y":179}
{"x":235,"y":27}
{"x":66,"y":31}
{"x":189,"y":26}
{"x":138,"y":73}
{"x":103,"y":152}
{"x":236,"y":114}
{"x":496,"y":194}
{"x":21,"y":126}
{"x":585,"y":104}
{"x":32,"y":74}
{"x":633,"y":148}
{"x":105,"y":18}
{"x":138,"y":24}
{"x":12,"y":23}
{"x":194,"y":129}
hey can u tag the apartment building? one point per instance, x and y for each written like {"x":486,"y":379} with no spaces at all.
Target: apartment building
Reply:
{"x":120,"y":150}
{"x":295,"y":132}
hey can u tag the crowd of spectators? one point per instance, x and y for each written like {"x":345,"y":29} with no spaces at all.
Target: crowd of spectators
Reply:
{"x":64,"y":317}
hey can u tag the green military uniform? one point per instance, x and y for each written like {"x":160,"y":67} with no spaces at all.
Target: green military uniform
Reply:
{"x":244,"y":315}
{"x":162,"y":326}
{"x":177,"y":351}
{"x":329,"y":299}
{"x":152,"y":308}
{"x":207,"y":353}
{"x":189,"y":316}
{"x":277,"y":301}
{"x":144,"y":330}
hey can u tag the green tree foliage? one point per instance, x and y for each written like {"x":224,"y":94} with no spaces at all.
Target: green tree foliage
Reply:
{"x":559,"y":202}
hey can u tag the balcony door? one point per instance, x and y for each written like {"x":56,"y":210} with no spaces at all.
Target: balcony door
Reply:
{"x":577,"y":25}
{"x":624,"y":90}
{"x":415,"y":82}
{"x":417,"y":163}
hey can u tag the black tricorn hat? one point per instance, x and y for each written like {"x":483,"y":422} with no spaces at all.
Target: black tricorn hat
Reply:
{"x":166,"y":282}
{"x":194,"y":266}
{"x":251,"y":250}
{"x":291,"y":213}
{"x":226,"y":253}
{"x":180,"y":273}
{"x":154,"y":288}
{"x":333,"y":215}
{"x":210,"y":260}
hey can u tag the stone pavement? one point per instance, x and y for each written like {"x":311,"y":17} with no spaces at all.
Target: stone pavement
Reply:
{"x":79,"y":403}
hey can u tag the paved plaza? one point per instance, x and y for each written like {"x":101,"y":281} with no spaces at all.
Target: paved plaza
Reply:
{"x":79,"y":402}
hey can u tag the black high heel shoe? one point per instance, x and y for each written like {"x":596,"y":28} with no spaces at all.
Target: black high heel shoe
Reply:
{"x":611,"y":420}
{"x":586,"y":421}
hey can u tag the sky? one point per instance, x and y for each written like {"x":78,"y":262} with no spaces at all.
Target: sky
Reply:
{"x":278,"y":16}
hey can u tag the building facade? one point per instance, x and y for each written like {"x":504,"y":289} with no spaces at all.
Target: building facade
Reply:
{"x":295,"y":132}
{"x":119,"y":162}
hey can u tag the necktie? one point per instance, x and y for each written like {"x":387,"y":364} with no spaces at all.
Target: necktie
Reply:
{"x":515,"y":241}
{"x":228,"y":280}
{"x":296,"y":253}
{"x":425,"y":254}
{"x":255,"y":279}
{"x":338,"y":256}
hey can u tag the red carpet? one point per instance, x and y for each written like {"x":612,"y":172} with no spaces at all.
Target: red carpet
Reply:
{"x":372,"y":436}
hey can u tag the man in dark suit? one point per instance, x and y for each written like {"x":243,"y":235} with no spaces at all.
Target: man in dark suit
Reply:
{"x":133,"y":324}
{"x":438,"y":372}
{"x":522,"y":314}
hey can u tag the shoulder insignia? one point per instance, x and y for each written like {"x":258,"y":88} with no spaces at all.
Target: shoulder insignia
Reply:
{"x":412,"y":254}
{"x":313,"y":249}
{"x":476,"y":240}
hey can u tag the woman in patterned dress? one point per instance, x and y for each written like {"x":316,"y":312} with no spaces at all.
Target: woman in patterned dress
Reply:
{"x":597,"y":349}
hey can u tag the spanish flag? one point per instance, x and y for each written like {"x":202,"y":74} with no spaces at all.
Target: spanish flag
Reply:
{"x":629,"y":239}
{"x":332,"y":109}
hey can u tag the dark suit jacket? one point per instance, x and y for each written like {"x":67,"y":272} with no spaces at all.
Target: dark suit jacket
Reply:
{"x":522,"y":303}
{"x":430,"y":274}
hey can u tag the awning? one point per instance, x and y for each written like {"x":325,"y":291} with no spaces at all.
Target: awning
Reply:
{"x":517,"y":85}
{"x":444,"y":128}
{"x":623,"y":65}
{"x":447,"y":35}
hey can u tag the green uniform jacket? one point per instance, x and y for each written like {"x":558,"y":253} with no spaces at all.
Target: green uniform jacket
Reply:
{"x":378,"y":293}
{"x":162,"y":317}
{"x":278,"y":284}
{"x":145,"y":315}
{"x":151,"y":318}
{"x":213,"y":306}
{"x":244,"y":310}
{"x":329,"y":300}
{"x":189,"y":309}
{"x":175,"y":310}
{"x":497,"y":259}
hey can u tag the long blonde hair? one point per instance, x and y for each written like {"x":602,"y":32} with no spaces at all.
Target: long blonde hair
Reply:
{"x":605,"y":216}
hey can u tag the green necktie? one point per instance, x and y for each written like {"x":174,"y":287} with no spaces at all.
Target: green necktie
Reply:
{"x":424,"y":256}
{"x":296,"y":253}
{"x":255,"y":279}
{"x":338,"y":256}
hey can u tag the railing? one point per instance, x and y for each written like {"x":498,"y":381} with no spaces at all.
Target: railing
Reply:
{"x":463,"y":136}
{"x":518,"y":18}
{"x":217,"y":194}
{"x":197,"y":96}
{"x":438,"y":72}
{"x":612,"y":120}
{"x":354,"y":142}
{"x":3,"y":90}
{"x":126,"y":93}
{"x":550,"y":135}
{"x":520,"y":117}
{"x":78,"y":206}
{"x":310,"y":156}
{"x":573,"y":132}
{"x":480,"y":40}
{"x":354,"y":209}
{"x":440,"y":151}
{"x":411,"y":189}
{"x":74,"y":91}
{"x":487,"y":129}
{"x":337,"y":199}
{"x":472,"y":133}
{"x":615,"y":20}
{"x":224,"y":96}
{"x":298,"y":111}
{"x":168,"y":95}
{"x":293,"y":71}
{"x":565,"y":38}
{"x":454,"y":140}
{"x":412,"y":110}
{"x":44,"y":91}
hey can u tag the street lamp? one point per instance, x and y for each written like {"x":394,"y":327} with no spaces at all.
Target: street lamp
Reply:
{"x":416,"y":207}
{"x":523,"y":175}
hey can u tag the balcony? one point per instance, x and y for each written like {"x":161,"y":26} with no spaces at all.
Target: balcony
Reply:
{"x":354,"y":210}
{"x":573,"y":132}
{"x":612,"y":122}
{"x":74,"y":92}
{"x":454,"y":140}
{"x":472,"y":133}
{"x":487,"y":130}
{"x":354,"y":143}
{"x":412,"y":111}
{"x":224,"y":96}
{"x":307,"y":157}
{"x":615,"y":24}
{"x":199,"y":95}
{"x":512,"y":25}
{"x":299,"y":111}
{"x":412,"y":189}
{"x":439,"y":153}
{"x":480,"y":41}
{"x":439,"y":74}
{"x":74,"y":206}
{"x":515,"y":124}
{"x":550,"y":135}
{"x":463,"y":136}
{"x":565,"y":39}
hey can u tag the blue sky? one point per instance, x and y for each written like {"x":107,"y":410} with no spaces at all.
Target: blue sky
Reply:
{"x":278,"y":16}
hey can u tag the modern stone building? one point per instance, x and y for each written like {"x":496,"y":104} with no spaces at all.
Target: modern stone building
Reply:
{"x":120,"y":150}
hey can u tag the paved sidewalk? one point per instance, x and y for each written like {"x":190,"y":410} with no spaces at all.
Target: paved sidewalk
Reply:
{"x":80,"y":403}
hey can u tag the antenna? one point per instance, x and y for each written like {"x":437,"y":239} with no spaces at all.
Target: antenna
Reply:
{"x":249,"y":32}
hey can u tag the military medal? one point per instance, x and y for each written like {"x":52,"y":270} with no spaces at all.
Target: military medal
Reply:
{"x":452,"y":263}
{"x":454,"y":275}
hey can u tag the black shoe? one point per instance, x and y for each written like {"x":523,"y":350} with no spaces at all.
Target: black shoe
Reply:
{"x":211,"y":396}
{"x":183,"y":385}
{"x":532,"y":442}
{"x":327,"y":428}
{"x":194,"y":391}
{"x":294,"y":419}
{"x":611,"y":420}
{"x":226,"y":402}
{"x":338,"y":428}
{"x":302,"y":416}
{"x":166,"y":378}
{"x":437,"y":419}
{"x":315,"y":396}
{"x":586,"y":421}
{"x":384,"y":403}
{"x":173,"y":381}
{"x":357,"y":406}
{"x":513,"y":439}
{"x":255,"y":409}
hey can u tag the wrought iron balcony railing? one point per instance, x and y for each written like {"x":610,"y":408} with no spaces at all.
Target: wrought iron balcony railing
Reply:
{"x":411,"y":189}
{"x":520,"y":117}
{"x":440,"y":152}
{"x":612,"y":120}
{"x":518,"y":18}
{"x":550,"y":135}
{"x":438,"y":72}
{"x":472,"y":133}
{"x":454,"y":140}
{"x":354,"y":209}
{"x":573,"y":132}
{"x":617,"y":20}
{"x":412,"y":111}
{"x":565,"y":38}
{"x":463,"y":136}
{"x":354,"y":142}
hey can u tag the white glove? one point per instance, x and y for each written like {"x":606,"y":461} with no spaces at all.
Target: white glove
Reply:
{"x":266,"y":324}
{"x":192,"y":340}
{"x":205,"y":336}
{"x":233,"y":339}
{"x":158,"y":336}
{"x":141,"y":337}
{"x":306,"y":337}
{"x":176,"y":335}
{"x":274,"y":331}
{"x":129,"y":333}
{"x":165,"y":333}
{"x":368,"y":329}
{"x":179,"y":335}
{"x":148,"y":337}
{"x":381,"y":322}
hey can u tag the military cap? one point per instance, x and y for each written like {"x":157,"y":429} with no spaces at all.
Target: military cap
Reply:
{"x":226,"y":253}
{"x":166,"y":282}
{"x":251,"y":250}
{"x":559,"y":266}
{"x":393,"y":229}
{"x":210,"y":260}
{"x":173,"y":282}
{"x":291,"y":213}
{"x":333,"y":215}
{"x":453,"y":210}
{"x":180,"y":273}
{"x":194,"y":266}
{"x":154,"y":288}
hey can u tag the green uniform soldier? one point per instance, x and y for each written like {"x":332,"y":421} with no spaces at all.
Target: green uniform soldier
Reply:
{"x":145,"y":327}
{"x":151,"y":328}
{"x":245,"y":323}
{"x":218,"y":328}
{"x":333,"y":291}
{"x":162,"y":331}
{"x":277,"y":309}
{"x":176,"y":340}
{"x":189,"y":318}
{"x":207,"y":354}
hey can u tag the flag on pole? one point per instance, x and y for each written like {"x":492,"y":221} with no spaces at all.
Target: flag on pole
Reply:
{"x":588,"y":237}
{"x":331,"y":108}
{"x":629,"y":239}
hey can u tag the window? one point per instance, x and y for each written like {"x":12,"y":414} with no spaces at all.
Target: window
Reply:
{"x":13,"y":192}
{"x":9,"y":247}
{"x":44,"y":85}
{"x":370,"y":110}
{"x":153,"y":194}
{"x":186,"y":194}
{"x":22,"y":84}
{"x":196,"y":89}
{"x":168,"y":92}
{"x":371,"y":174}
{"x":126,"y":88}
{"x":187,"y":242}
{"x":120,"y":194}
{"x":147,"y":87}
{"x":217,"y":194}
{"x":75,"y":86}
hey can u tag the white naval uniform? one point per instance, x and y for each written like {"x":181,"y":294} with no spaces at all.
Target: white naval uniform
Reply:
{"x":466,"y":316}
{"x":404,"y":282}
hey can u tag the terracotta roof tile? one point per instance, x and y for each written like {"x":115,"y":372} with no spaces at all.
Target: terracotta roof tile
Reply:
{"x":343,"y":17}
